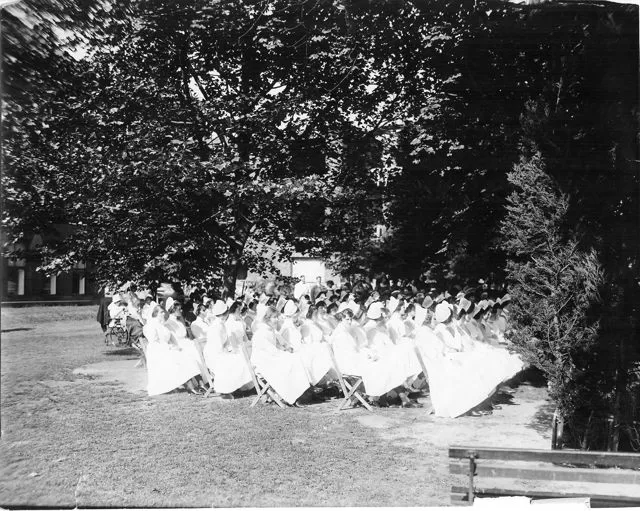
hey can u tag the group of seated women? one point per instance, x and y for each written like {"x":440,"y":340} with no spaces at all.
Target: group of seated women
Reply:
{"x":301,"y":346}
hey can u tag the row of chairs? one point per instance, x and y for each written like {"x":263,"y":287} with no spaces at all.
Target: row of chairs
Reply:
{"x":352,"y":386}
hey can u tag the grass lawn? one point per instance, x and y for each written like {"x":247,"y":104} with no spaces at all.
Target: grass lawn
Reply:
{"x":70,"y":441}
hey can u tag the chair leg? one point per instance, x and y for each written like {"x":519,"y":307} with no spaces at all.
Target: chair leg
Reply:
{"x":276,"y":398}
{"x":354,"y":395}
{"x":263,"y":390}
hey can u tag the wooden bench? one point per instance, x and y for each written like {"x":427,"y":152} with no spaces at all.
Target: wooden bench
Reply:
{"x":609,"y":479}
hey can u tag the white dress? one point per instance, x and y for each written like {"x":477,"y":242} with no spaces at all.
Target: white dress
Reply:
{"x":461,"y":380}
{"x":168,"y":367}
{"x":199,"y":328}
{"x":397,"y":329}
{"x":283,"y":370}
{"x":308,"y":343}
{"x":402,"y":356}
{"x":190,"y":346}
{"x":351,"y":361}
{"x":225,"y":360}
{"x":388,"y":367}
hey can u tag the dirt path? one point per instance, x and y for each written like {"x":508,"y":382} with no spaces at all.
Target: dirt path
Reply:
{"x":132,"y":378}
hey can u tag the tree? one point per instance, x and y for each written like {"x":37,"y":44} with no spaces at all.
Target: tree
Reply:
{"x":225,"y":122}
{"x":555,"y":285}
{"x":573,"y":62}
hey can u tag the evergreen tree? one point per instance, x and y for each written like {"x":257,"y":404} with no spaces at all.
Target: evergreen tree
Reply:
{"x":555,"y":285}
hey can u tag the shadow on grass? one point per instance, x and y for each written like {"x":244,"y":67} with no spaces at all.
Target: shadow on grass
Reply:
{"x":529,"y":376}
{"x":502,"y":398}
{"x":15,"y":330}
{"x":127,"y":350}
{"x":542,"y":420}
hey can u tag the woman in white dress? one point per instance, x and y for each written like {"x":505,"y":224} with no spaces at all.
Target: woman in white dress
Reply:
{"x":199,"y":326}
{"x":308,"y":341}
{"x":279,"y":365}
{"x":235,"y":324}
{"x":352,"y":355}
{"x":392,"y":365}
{"x":182,"y":333}
{"x":322,"y":319}
{"x":459,"y":379}
{"x":168,"y":366}
{"x":223,"y":355}
{"x":472,"y":326}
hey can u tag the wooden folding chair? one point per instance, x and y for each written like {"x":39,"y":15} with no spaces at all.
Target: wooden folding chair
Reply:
{"x":350,"y":390}
{"x":204,"y":370}
{"x":141,"y":347}
{"x":423,"y":366}
{"x":262,"y":386}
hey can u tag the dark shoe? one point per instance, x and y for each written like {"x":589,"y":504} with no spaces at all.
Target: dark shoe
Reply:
{"x":408,"y":405}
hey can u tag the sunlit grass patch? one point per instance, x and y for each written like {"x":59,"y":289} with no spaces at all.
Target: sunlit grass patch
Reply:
{"x":70,"y":440}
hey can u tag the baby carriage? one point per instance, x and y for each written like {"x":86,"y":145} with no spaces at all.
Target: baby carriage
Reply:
{"x":116,"y":333}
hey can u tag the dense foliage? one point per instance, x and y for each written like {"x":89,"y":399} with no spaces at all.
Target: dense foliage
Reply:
{"x":555,"y":285}
{"x":198,"y":136}
{"x":186,"y":140}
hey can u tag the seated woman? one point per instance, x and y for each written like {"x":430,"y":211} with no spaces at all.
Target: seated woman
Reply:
{"x":445,"y":329}
{"x":168,"y":366}
{"x":460,"y":378}
{"x":322,"y":318}
{"x":134,"y":320}
{"x":199,"y":326}
{"x":310,"y":330}
{"x":283,"y":369}
{"x":118,"y":311}
{"x":307,"y":341}
{"x":235,"y":325}
{"x":351,"y":356}
{"x":392,"y":366}
{"x":223,"y":355}
{"x":182,"y":333}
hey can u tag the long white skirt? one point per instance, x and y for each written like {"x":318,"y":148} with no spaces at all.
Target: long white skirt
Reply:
{"x":384,"y":374}
{"x":350,"y":362}
{"x":168,"y":368}
{"x":316,"y":359}
{"x":230,"y":372}
{"x":284,"y":371}
{"x":459,"y":381}
{"x":192,"y":349}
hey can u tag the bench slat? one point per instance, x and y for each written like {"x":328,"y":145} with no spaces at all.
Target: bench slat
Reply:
{"x":550,"y":473}
{"x":605,"y":459}
{"x":596,"y":500}
{"x":459,"y":499}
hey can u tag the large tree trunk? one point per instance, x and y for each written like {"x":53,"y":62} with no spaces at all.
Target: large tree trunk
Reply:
{"x":231,"y":273}
{"x":557,"y":430}
{"x":234,"y":259}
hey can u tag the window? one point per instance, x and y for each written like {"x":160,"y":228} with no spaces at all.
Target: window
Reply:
{"x":78,"y":283}
{"x":20,"y":281}
{"x":53,"y":283}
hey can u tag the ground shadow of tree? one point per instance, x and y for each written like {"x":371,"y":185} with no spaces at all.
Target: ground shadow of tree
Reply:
{"x":543,"y":419}
{"x":128,"y":350}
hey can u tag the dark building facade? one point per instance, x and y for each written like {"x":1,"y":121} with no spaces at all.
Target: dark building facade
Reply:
{"x":23,"y":282}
